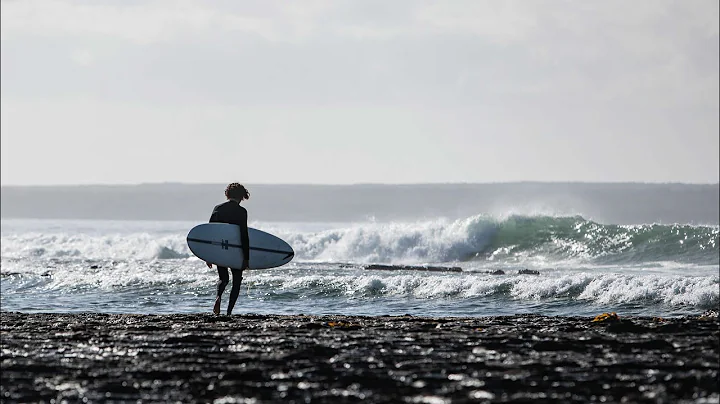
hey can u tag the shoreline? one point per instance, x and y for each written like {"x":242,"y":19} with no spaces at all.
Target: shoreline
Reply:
{"x":335,"y":358}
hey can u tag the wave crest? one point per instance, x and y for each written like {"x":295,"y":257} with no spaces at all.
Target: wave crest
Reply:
{"x":514,"y":238}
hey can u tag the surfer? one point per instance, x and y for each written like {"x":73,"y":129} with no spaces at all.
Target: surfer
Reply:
{"x":231,"y":212}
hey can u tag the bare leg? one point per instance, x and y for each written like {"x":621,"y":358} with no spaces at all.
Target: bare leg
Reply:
{"x":235,"y":291}
{"x":222,"y":283}
{"x":216,"y":307}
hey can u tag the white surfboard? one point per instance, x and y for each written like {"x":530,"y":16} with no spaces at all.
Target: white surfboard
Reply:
{"x":219,"y":244}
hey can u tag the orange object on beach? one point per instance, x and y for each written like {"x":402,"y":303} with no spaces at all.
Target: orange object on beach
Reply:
{"x":607,"y":317}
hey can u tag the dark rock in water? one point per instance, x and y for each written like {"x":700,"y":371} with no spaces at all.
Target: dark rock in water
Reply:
{"x":528,"y":272}
{"x":413,"y":268}
{"x":94,"y":266}
{"x":341,"y":359}
{"x":496,"y":272}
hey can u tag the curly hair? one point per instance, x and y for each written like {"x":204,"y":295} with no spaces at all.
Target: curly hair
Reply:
{"x":236,"y":191}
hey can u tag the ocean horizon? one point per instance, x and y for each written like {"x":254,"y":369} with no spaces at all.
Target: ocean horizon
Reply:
{"x":612,"y":203}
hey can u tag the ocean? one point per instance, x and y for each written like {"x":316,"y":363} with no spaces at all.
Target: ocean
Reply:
{"x":581,"y":264}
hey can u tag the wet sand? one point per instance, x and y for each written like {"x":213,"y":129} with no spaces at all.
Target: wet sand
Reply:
{"x":338,"y":359}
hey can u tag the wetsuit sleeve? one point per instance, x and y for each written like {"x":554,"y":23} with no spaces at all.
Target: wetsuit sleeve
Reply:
{"x":244,"y":238}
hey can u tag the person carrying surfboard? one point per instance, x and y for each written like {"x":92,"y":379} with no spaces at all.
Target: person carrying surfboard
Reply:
{"x":231,"y":212}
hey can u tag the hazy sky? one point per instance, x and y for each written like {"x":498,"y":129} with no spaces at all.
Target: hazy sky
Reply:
{"x":133,"y":91}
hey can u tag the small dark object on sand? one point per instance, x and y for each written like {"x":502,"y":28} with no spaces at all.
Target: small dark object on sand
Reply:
{"x":339,"y":359}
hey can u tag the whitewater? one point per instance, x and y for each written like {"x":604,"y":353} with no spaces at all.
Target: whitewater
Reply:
{"x":542,"y":264}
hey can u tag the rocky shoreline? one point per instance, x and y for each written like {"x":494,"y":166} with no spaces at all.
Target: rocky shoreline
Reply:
{"x":293,"y":359}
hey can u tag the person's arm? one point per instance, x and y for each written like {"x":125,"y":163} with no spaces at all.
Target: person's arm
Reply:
{"x":214,"y":217}
{"x":244,"y":238}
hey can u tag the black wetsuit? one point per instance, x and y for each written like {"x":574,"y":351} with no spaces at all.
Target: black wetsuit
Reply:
{"x":231,"y":212}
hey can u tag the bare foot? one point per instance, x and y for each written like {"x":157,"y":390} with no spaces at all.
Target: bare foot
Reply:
{"x":216,"y":308}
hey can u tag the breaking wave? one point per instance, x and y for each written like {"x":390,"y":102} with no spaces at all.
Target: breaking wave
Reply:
{"x":514,"y":238}
{"x":477,"y":238}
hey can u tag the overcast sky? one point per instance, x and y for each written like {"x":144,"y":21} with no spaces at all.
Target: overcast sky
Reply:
{"x":338,"y":92}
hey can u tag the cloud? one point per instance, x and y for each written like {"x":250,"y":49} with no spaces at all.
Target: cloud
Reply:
{"x":500,"y":22}
{"x":621,"y":81}
{"x":497,"y":21}
{"x":147,"y":22}
{"x":658,"y":54}
{"x":82,"y":57}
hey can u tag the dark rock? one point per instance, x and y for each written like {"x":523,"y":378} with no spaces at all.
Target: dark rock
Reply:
{"x":626,"y":326}
{"x":412,"y":268}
